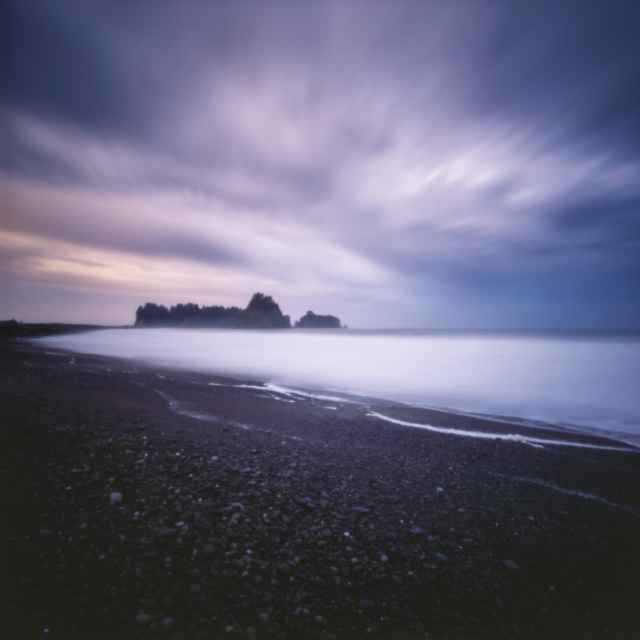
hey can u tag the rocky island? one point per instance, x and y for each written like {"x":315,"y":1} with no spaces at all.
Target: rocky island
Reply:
{"x":262,"y":312}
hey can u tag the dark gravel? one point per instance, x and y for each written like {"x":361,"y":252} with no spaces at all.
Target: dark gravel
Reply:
{"x":135,"y":505}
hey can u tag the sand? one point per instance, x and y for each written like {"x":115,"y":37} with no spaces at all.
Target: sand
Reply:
{"x":139,"y":502}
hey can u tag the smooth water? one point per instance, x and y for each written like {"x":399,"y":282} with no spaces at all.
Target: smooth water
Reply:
{"x":583,"y":381}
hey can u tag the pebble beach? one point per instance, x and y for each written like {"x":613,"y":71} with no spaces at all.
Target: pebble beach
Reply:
{"x":140,"y":502}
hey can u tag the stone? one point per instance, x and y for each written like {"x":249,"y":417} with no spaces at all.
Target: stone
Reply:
{"x":115,"y":497}
{"x":510,"y":564}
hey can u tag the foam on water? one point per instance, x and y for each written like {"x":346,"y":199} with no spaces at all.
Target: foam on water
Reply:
{"x":577,"y":381}
{"x":511,"y":437}
{"x":572,"y":492}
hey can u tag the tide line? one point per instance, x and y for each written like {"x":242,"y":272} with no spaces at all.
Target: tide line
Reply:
{"x":531,"y":441}
{"x":573,"y":492}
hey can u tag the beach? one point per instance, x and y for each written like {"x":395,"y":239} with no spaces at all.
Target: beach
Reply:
{"x":148,"y":502}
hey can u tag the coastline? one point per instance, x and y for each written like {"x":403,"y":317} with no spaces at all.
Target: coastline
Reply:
{"x":448,"y":536}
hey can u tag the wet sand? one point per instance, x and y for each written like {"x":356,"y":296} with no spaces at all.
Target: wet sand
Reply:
{"x":139,"y":502}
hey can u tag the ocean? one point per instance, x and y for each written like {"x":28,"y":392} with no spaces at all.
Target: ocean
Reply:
{"x":588,"y":382}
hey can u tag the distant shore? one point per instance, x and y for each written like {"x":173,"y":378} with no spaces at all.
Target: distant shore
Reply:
{"x":10,"y":329}
{"x":140,"y":502}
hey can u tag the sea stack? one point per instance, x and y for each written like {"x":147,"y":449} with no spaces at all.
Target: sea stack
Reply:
{"x":313,"y":321}
{"x":262,"y":313}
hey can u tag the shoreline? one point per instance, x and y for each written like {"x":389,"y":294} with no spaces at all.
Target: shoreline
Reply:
{"x":532,"y":429}
{"x":448,"y":536}
{"x":607,"y":409}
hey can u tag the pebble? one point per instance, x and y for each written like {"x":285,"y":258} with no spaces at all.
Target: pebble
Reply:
{"x":143,"y":618}
{"x":115,"y":497}
{"x":510,"y":564}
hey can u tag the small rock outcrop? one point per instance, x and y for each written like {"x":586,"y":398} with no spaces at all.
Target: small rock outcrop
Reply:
{"x":312,"y":321}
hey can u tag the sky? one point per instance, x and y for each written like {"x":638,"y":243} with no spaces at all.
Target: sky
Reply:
{"x":425,"y":164}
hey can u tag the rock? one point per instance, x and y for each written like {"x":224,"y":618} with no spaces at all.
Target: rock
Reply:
{"x":262,"y":313}
{"x":313,"y":321}
{"x":143,"y":618}
{"x":115,"y":497}
{"x":365,"y":603}
{"x":442,"y":557}
{"x":510,"y":564}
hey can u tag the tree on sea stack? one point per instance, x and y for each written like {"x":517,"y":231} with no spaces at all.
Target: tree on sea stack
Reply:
{"x":263,"y":313}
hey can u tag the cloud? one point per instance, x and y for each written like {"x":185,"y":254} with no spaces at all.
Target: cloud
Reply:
{"x":405,"y":152}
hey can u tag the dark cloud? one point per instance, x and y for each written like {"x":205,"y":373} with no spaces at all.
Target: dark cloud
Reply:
{"x":574,"y":67}
{"x":58,"y":68}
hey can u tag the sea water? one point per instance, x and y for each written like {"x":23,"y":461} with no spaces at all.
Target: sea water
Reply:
{"x":584,"y":381}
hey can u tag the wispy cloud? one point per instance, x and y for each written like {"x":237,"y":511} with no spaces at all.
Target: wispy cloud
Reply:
{"x":450,"y":160}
